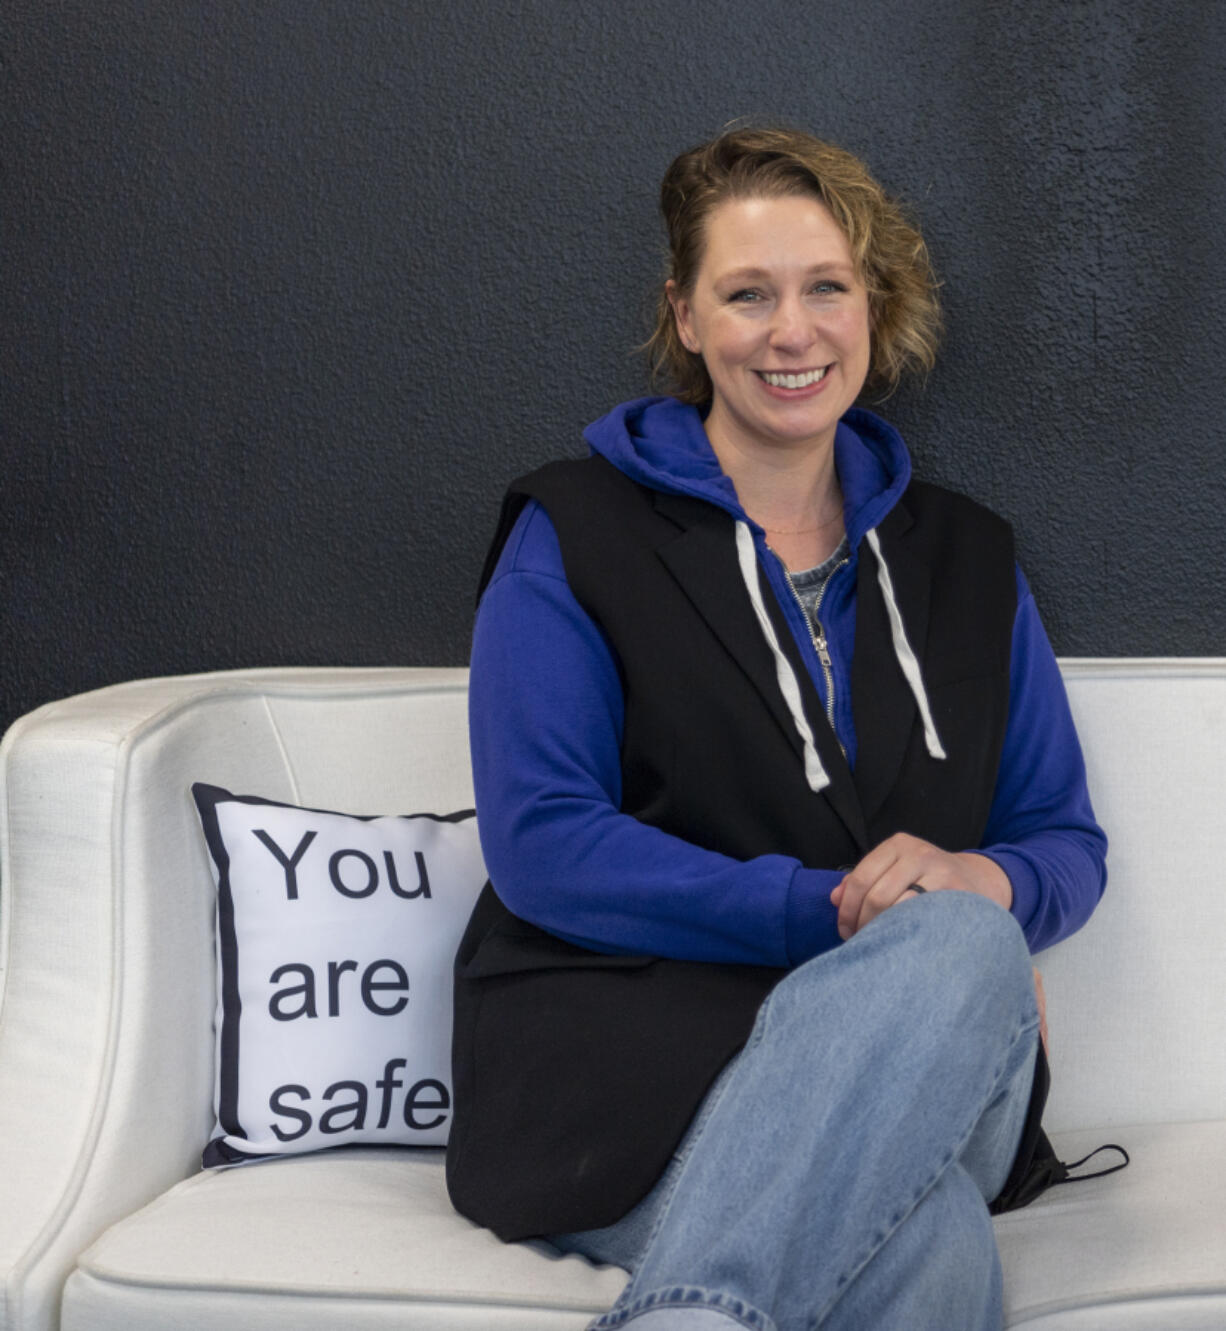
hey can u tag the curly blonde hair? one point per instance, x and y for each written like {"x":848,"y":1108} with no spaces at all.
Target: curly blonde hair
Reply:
{"x":890,"y":254}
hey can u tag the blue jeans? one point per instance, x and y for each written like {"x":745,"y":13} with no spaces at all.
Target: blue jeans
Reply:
{"x":838,"y":1171}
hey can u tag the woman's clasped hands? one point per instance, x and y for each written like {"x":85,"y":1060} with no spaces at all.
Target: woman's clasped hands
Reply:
{"x":890,"y":870}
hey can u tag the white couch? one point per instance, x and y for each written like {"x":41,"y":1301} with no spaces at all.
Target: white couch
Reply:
{"x":107,"y":999}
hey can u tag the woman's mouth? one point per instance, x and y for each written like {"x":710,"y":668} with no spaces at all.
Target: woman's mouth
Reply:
{"x":803,"y":380}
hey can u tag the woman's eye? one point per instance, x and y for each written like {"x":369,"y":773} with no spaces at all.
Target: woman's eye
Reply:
{"x":828,"y":288}
{"x":747,"y":295}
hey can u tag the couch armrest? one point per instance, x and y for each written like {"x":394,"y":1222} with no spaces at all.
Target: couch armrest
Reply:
{"x":107,"y":979}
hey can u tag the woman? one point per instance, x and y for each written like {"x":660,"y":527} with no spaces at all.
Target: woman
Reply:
{"x":776,"y":780}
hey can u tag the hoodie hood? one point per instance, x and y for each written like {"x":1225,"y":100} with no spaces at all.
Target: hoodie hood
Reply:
{"x":661,"y":443}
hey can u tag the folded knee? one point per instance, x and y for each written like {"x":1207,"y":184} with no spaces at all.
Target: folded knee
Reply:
{"x":946,"y":955}
{"x":964,"y":946}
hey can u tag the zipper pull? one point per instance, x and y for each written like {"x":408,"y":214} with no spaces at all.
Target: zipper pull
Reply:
{"x":819,"y":642}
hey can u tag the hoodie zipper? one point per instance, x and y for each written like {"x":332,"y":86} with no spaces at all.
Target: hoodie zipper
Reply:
{"x":817,"y":635}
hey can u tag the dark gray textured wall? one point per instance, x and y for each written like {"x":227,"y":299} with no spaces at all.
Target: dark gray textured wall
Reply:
{"x":290,"y":289}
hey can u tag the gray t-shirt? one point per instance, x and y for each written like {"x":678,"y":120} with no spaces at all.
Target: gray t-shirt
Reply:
{"x":810,"y":583}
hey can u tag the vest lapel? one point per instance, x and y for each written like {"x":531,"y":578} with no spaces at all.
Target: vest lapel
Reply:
{"x":885,"y":712}
{"x":702,"y":558}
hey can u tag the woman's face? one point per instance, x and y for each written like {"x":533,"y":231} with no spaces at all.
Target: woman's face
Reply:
{"x":780,"y":317}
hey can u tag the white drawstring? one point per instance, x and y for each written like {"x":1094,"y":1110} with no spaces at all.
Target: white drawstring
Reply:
{"x":902,"y":649}
{"x":815,"y":773}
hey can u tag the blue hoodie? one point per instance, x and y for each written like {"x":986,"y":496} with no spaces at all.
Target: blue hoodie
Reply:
{"x":546,"y":713}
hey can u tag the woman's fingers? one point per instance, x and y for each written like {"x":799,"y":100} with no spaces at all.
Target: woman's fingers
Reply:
{"x":881,"y":878}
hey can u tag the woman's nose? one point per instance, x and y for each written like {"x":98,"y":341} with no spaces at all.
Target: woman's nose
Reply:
{"x":792,"y":328}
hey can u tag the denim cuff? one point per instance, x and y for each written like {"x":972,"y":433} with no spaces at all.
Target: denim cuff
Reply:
{"x":684,"y":1308}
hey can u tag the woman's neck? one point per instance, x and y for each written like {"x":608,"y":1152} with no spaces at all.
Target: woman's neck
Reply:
{"x":794,"y":496}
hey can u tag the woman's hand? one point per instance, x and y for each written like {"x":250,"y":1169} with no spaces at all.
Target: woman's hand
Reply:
{"x":886,"y":874}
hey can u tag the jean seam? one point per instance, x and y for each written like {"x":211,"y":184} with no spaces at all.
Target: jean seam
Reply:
{"x":879,"y":1240}
{"x":687,"y":1296}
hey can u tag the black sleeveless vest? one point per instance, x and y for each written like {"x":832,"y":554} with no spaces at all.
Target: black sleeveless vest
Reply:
{"x":575,"y":1073}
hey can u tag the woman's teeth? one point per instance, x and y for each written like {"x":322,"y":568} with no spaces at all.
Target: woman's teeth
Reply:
{"x":794,"y":380}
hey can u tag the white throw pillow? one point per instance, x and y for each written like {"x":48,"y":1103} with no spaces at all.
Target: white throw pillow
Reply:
{"x":336,"y":936}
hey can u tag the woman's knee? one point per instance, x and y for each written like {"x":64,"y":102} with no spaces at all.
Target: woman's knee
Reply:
{"x":943,"y":957}
{"x":968,"y":930}
{"x":969,"y":959}
{"x":973,"y":939}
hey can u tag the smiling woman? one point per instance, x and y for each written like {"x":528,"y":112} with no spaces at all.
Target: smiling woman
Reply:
{"x":888,"y":254}
{"x":776,"y":780}
{"x":779,"y":316}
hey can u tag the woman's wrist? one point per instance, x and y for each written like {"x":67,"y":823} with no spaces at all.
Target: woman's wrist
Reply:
{"x":988,"y":879}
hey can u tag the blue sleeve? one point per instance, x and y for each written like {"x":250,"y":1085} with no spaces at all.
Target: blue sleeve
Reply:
{"x":545,"y":715}
{"x":1041,"y":828}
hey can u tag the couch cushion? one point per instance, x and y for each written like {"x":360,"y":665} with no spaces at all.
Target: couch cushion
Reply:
{"x":360,"y":1237}
{"x":1141,"y":1250}
{"x":366,"y":1238}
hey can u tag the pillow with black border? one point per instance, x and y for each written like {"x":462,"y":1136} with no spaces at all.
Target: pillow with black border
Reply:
{"x":336,"y":935}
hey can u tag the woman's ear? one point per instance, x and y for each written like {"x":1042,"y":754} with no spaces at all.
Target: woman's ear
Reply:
{"x":683,"y":316}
